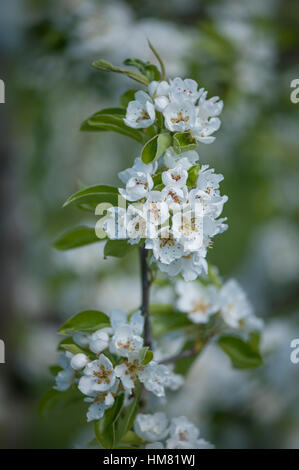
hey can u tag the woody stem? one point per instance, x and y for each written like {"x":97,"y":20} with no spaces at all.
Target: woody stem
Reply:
{"x":145,"y":284}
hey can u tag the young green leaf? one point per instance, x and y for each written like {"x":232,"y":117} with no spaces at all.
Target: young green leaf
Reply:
{"x":111,"y":122}
{"x":155,"y":147}
{"x":89,"y":320}
{"x":55,"y":400}
{"x":163,"y":71}
{"x":107,"y":67}
{"x":243,"y":354}
{"x":76,"y":237}
{"x":192,"y":176}
{"x":94,"y":195}
{"x":183,"y":141}
{"x":118,"y":248}
{"x":147,"y":69}
{"x":127,"y":417}
{"x":105,"y":428}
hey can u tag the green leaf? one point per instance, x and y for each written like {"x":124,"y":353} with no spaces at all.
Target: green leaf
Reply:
{"x":165,"y":318}
{"x":184,"y":141}
{"x":68,"y":344}
{"x":89,"y":320}
{"x":147,"y":69}
{"x":76,"y":237}
{"x":111,"y":122}
{"x":155,"y":147}
{"x":94,"y":195}
{"x":192,"y":176}
{"x":55,"y":400}
{"x":127,"y":417}
{"x":148,"y":357}
{"x":105,"y":428}
{"x":243,"y":354}
{"x":107,"y":67}
{"x":55,"y":369}
{"x":118,"y":248}
{"x":128,"y":96}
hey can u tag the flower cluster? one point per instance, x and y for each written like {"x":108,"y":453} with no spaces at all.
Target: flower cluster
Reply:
{"x":175,"y":219}
{"x":179,"y":434}
{"x":183,"y":106}
{"x":229,"y":302}
{"x":113,"y":365}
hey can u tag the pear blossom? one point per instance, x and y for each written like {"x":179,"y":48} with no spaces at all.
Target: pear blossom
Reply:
{"x":126,"y":340}
{"x":99,"y":340}
{"x":235,"y":308}
{"x":141,"y":112}
{"x":180,"y":116}
{"x":128,"y":372}
{"x":99,"y":405}
{"x":151,"y":428}
{"x":99,"y":376}
{"x":181,"y":90}
{"x":138,"y":167}
{"x":79,"y":361}
{"x":185,"y":159}
{"x":137,"y":187}
{"x":165,"y":248}
{"x":184,"y":435}
{"x":198,"y":301}
{"x":65,"y":377}
{"x":175,"y":177}
{"x":156,"y":377}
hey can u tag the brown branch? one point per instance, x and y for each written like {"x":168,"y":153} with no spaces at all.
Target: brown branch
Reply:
{"x":145,"y":284}
{"x":183,"y":355}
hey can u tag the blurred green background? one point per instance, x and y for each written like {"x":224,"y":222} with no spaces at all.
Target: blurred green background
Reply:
{"x":245,"y":52}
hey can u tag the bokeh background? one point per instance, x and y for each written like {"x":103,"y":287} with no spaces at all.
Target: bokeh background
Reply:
{"x":245,"y":52}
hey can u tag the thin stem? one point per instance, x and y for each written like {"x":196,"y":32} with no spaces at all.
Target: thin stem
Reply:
{"x":183,"y":355}
{"x":145,"y":284}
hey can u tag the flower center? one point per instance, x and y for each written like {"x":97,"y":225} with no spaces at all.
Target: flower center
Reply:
{"x":180,"y":118}
{"x":103,"y":375}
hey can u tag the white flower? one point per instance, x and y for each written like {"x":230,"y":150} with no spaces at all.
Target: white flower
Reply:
{"x":115,"y":223}
{"x":79,"y":361}
{"x":174,"y":196}
{"x":128,"y":372}
{"x":141,"y":112}
{"x":180,"y":116}
{"x":158,"y":88}
{"x":184,"y":435}
{"x":137,"y":187}
{"x":206,"y":122}
{"x":82,"y":339}
{"x":126,"y":340}
{"x":138,"y":167}
{"x":185,"y":159}
{"x":64,"y":378}
{"x":165,"y":248}
{"x":187,"y":226}
{"x":181,"y":90}
{"x":140,"y":223}
{"x":190,"y":265}
{"x":156,"y":208}
{"x":197,"y":301}
{"x":98,"y":377}
{"x":234,"y":305}
{"x":99,"y":340}
{"x":151,"y":428}
{"x":156,"y":377}
{"x":99,"y":405}
{"x":175,"y":177}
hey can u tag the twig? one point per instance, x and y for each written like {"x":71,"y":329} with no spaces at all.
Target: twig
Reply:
{"x":145,"y":283}
{"x":183,"y":355}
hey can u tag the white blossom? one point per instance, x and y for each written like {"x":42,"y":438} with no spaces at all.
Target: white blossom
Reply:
{"x":151,"y":428}
{"x":185,"y":159}
{"x":175,"y":177}
{"x":141,"y":112}
{"x":184,"y":435}
{"x":126,"y":340}
{"x":137,"y":187}
{"x":156,"y":377}
{"x":64,"y":378}
{"x":198,"y":301}
{"x":180,"y":116}
{"x":79,"y":361}
{"x":99,"y":340}
{"x":99,"y":376}
{"x":181,"y":90}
